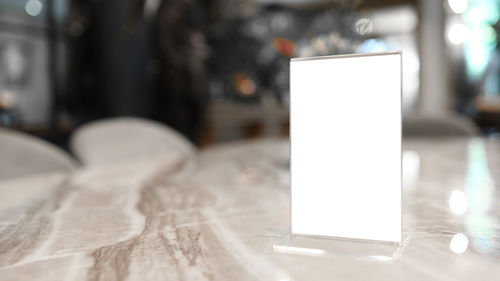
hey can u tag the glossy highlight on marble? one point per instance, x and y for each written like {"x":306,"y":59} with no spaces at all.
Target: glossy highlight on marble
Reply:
{"x":218,"y":215}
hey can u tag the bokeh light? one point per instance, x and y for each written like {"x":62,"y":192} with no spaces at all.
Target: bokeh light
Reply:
{"x":33,"y":7}
{"x":459,"y":243}
{"x":458,"y":202}
{"x":457,"y":33}
{"x":458,"y":6}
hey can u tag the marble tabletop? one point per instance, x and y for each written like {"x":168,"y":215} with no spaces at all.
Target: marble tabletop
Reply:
{"x":218,"y":215}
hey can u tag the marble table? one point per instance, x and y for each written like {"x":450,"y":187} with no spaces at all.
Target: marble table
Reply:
{"x":218,"y":215}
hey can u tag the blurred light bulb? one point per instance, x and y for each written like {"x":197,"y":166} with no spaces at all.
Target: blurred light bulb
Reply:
{"x":457,"y":33}
{"x":458,"y":202}
{"x":33,"y":7}
{"x":458,"y":6}
{"x":459,"y":243}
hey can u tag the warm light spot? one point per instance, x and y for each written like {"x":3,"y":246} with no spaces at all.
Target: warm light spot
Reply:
{"x":459,"y":243}
{"x":284,"y":46}
{"x":6,"y":99}
{"x":245,"y":85}
{"x":458,"y":202}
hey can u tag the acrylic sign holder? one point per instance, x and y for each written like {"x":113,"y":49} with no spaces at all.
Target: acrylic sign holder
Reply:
{"x":345,"y":131}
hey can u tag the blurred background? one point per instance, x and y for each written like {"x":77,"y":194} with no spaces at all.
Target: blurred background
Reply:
{"x":217,"y":70}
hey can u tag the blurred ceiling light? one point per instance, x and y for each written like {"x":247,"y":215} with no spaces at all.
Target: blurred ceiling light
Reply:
{"x":459,"y":243}
{"x":364,"y":26}
{"x":458,"y":6}
{"x":458,"y":202}
{"x":457,"y":33}
{"x":33,"y":7}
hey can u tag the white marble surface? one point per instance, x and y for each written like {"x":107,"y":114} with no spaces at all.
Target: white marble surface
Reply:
{"x":218,"y":215}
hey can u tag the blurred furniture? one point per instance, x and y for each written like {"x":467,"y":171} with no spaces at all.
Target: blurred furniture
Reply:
{"x":22,"y":155}
{"x":218,"y":217}
{"x":128,"y":139}
{"x":32,"y":58}
{"x":439,"y":126}
{"x":488,"y":114}
{"x":232,"y":121}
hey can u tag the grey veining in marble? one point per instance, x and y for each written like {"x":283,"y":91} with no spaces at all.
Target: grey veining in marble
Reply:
{"x":218,"y":215}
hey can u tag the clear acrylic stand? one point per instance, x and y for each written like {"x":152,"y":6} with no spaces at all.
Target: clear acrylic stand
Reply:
{"x":321,"y":246}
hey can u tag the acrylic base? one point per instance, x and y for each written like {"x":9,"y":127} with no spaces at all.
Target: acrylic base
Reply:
{"x":330,"y":247}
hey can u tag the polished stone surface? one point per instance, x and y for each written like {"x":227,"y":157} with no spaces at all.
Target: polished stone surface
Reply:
{"x":219,"y":215}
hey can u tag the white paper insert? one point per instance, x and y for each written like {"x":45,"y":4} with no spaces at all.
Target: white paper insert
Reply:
{"x":346,"y":146}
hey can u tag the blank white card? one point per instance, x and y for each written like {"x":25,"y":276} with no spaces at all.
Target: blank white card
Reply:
{"x":346,"y":146}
